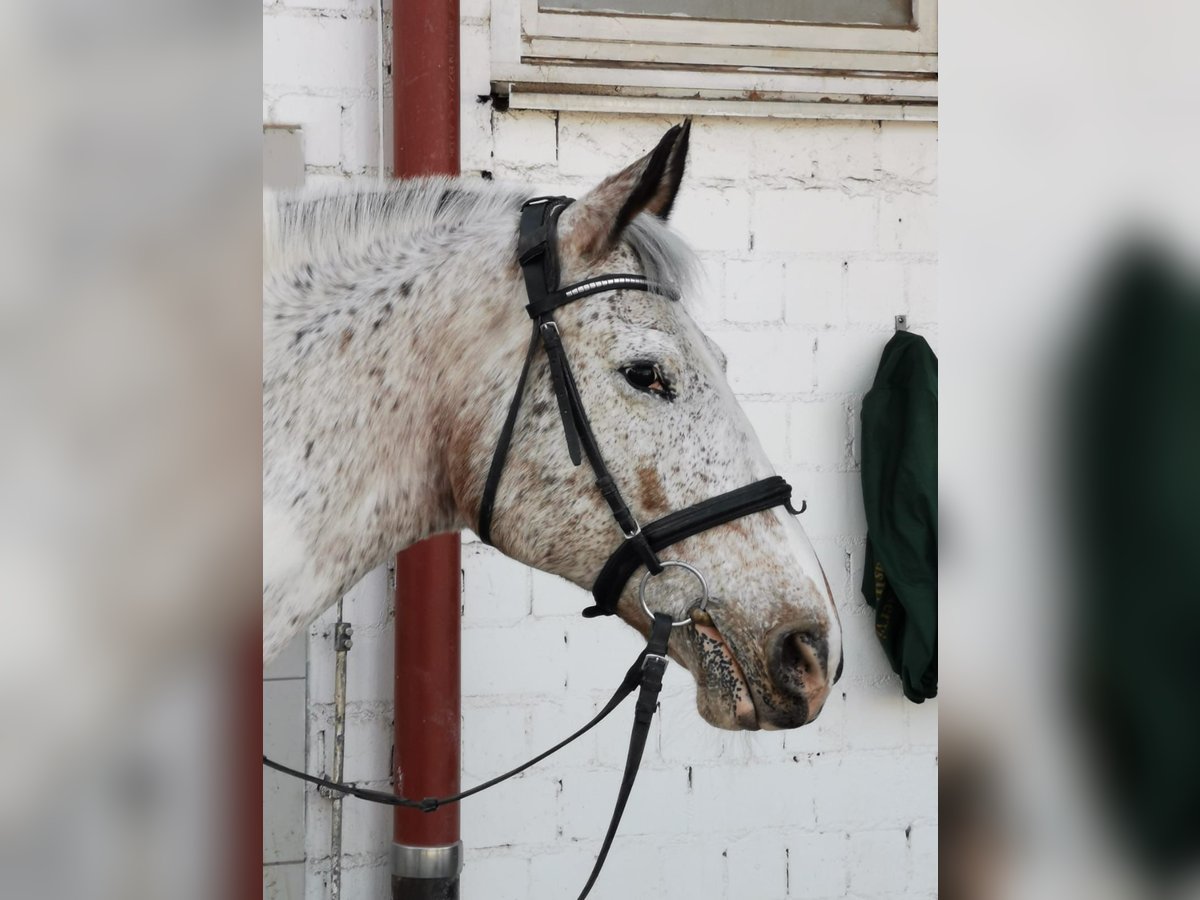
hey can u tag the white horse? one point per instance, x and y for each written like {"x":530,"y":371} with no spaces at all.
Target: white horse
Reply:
{"x":394,"y":332}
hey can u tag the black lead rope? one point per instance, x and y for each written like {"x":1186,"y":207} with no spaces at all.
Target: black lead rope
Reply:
{"x":646,"y":672}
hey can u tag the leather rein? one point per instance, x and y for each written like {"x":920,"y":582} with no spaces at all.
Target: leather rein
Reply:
{"x":538,"y":257}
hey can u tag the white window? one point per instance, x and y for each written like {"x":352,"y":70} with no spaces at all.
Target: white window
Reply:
{"x":794,"y":58}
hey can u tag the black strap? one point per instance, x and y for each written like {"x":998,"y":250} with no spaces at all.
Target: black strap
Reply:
{"x":502,"y":445}
{"x":537,"y":255}
{"x":654,"y":664}
{"x":676,"y":526}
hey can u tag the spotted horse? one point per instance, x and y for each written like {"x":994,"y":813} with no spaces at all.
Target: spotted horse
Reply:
{"x":405,"y":393}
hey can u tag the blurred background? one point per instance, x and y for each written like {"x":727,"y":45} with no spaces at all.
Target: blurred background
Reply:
{"x":129,"y":449}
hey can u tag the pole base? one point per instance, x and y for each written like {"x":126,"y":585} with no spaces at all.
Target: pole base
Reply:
{"x":424,"y":888}
{"x":426,"y":873}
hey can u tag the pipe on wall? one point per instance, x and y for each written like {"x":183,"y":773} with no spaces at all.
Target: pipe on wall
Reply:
{"x":426,"y":847}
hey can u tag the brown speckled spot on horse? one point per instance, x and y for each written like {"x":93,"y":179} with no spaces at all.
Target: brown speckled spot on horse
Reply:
{"x":650,"y":491}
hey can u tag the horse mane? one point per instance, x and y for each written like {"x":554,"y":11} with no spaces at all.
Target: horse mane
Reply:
{"x":322,"y":224}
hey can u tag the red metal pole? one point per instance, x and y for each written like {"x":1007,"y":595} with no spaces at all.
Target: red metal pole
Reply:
{"x":426,"y":850}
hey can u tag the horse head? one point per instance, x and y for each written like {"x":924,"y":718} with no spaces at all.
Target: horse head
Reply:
{"x":767,"y":649}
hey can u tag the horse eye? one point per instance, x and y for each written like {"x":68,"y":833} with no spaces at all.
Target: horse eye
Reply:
{"x":647,"y":377}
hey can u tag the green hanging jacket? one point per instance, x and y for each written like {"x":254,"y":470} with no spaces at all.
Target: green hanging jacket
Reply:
{"x":899,"y":482}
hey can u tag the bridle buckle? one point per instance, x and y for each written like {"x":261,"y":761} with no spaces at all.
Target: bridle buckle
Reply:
{"x":660,"y":657}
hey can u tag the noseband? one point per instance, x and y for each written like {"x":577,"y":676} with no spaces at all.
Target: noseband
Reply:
{"x":537,"y":253}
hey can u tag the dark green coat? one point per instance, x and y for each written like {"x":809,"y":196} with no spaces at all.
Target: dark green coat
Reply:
{"x":899,"y":481}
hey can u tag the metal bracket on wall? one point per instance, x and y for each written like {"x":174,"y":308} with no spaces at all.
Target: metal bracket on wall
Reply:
{"x":902,"y":323}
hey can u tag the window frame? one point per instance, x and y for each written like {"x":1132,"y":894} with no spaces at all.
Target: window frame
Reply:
{"x":641,"y":63}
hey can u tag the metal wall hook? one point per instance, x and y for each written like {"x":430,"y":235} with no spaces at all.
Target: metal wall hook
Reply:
{"x":902,"y":323}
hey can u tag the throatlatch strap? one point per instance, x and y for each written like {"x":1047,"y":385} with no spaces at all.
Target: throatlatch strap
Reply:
{"x":676,"y":526}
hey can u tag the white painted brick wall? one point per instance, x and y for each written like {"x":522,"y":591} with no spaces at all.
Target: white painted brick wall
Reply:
{"x":813,"y":235}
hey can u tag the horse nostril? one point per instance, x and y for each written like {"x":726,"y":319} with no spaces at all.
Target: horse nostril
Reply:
{"x":799,"y":658}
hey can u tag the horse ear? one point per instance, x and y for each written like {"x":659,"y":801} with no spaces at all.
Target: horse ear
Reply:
{"x":591,"y":227}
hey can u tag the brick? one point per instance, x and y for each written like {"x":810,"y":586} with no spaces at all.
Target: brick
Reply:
{"x":475,"y":153}
{"x":819,"y":433}
{"x":495,"y":588}
{"x":490,"y":654}
{"x":782,"y":151}
{"x":693,"y":868}
{"x":845,"y":150}
{"x":908,"y":150}
{"x":319,"y":53}
{"x":519,"y":811}
{"x":639,"y":873}
{"x":360,"y":136}
{"x":866,"y":663}
{"x":554,"y":596}
{"x":283,"y":797}
{"x":827,"y":734}
{"x":808,"y":221}
{"x":835,"y":506}
{"x":706,"y":303}
{"x":363,"y":881}
{"x":908,"y":222}
{"x":713,"y":219}
{"x":730,"y":801}
{"x":818,"y":865}
{"x":283,"y":881}
{"x":368,"y":602}
{"x":923,"y":861}
{"x":474,"y":56}
{"x":658,"y":804}
{"x":719,"y":149}
{"x":770,"y":423}
{"x":495,"y":877}
{"x":495,"y":738}
{"x":813,"y":291}
{"x":343,"y":5}
{"x":754,"y":290}
{"x":768,"y":362}
{"x":876,"y":717}
{"x":875,"y":292}
{"x":758,"y":865}
{"x":854,"y":405}
{"x":878,"y":862}
{"x":866,"y":791}
{"x":597,"y":654}
{"x":589,"y":145}
{"x":526,"y":138}
{"x":320,"y":121}
{"x":922,"y":724}
{"x":562,"y":870}
{"x":920,"y":288}
{"x":847,"y":362}
{"x":475,"y":10}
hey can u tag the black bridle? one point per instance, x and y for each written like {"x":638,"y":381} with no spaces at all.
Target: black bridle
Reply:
{"x":537,"y":254}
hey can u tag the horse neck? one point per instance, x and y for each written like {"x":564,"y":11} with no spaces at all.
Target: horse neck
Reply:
{"x":373,"y":384}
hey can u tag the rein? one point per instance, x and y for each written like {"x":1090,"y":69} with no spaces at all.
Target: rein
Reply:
{"x":538,"y":256}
